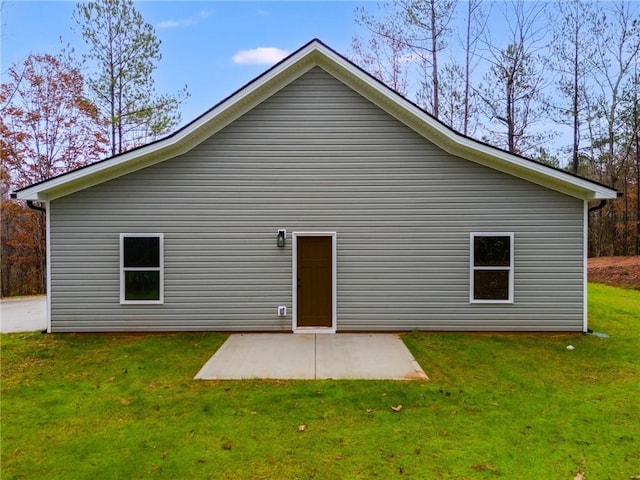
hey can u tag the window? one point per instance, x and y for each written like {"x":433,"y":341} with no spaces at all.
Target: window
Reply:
{"x":141,"y":268}
{"x":491,"y":268}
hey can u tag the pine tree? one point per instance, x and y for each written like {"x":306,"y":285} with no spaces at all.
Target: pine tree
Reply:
{"x":123,"y":52}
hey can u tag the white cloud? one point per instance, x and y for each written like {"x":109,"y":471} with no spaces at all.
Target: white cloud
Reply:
{"x":170,"y":24}
{"x":184,"y":22}
{"x":260,"y":55}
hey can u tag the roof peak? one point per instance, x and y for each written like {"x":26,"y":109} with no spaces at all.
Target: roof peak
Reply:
{"x":313,"y":53}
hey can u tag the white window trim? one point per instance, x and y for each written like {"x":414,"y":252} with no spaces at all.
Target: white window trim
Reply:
{"x":294,"y":283}
{"x":473,"y":268}
{"x":160,"y":301}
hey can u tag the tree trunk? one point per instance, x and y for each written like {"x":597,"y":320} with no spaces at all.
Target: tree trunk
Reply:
{"x":576,"y":121}
{"x":510,"y":120}
{"x":434,"y":63}
{"x":625,"y":215}
{"x":465,"y":127}
{"x":637,"y":180}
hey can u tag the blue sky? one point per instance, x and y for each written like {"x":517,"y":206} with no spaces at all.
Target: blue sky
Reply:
{"x":213,"y":47}
{"x":216,"y":47}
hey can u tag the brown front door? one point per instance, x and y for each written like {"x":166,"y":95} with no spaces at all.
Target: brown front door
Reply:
{"x":314,"y":281}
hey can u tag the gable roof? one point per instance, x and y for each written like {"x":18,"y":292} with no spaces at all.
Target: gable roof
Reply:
{"x":314,"y":54}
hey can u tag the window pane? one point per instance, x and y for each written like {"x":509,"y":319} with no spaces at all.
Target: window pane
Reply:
{"x":491,"y":251}
{"x":142,"y":285}
{"x":491,"y":285}
{"x":141,"y":252}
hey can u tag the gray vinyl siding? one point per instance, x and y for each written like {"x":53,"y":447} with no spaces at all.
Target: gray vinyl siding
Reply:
{"x":316,"y":156}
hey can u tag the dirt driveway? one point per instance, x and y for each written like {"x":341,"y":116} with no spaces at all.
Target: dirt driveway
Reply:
{"x":24,"y":314}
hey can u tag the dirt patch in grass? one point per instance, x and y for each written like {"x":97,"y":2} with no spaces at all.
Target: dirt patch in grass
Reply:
{"x":616,"y":271}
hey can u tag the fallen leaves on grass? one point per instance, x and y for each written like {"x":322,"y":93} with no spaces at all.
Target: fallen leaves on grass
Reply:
{"x":302,"y":428}
{"x":484,"y":467}
{"x":579,"y":476}
{"x":397,"y":408}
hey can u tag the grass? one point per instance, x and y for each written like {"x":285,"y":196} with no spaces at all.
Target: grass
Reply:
{"x":497,"y":406}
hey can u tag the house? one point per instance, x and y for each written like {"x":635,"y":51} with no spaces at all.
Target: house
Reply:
{"x":316,"y":199}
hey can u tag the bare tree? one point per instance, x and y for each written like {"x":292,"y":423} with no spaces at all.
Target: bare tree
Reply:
{"x":616,"y":55}
{"x":474,"y":28}
{"x":635,"y":141}
{"x":630,"y":141}
{"x":612,"y":64}
{"x":429,"y":22}
{"x":384,"y":54}
{"x":410,"y":32}
{"x":457,"y":100}
{"x":573,"y":46}
{"x":636,"y":144}
{"x":513,"y":89}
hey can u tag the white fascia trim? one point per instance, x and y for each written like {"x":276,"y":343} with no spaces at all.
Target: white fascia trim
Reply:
{"x":282,"y":74}
{"x":294,"y":283}
{"x":531,"y":171}
{"x":182,"y":141}
{"x":469,"y":149}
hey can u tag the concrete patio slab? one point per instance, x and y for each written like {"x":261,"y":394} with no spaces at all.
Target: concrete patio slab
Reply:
{"x":262,"y":356}
{"x":365,"y":356}
{"x":308,"y":356}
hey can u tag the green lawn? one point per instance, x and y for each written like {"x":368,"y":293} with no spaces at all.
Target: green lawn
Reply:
{"x":497,"y":406}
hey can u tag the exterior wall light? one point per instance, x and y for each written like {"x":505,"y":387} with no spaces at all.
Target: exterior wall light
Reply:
{"x":282,"y":237}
